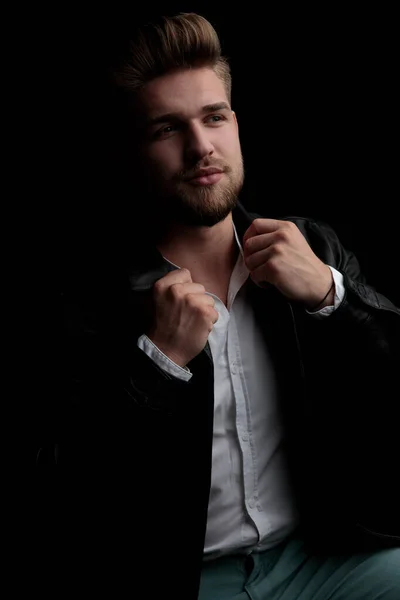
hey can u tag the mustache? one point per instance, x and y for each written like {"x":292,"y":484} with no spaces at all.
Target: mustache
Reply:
{"x":187,"y":174}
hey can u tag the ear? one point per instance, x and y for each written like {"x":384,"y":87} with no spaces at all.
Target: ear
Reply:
{"x":235,"y":120}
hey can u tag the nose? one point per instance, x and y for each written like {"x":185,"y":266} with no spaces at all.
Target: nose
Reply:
{"x":198,"y":144}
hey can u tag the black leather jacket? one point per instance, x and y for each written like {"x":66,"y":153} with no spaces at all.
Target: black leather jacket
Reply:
{"x":130,"y":445}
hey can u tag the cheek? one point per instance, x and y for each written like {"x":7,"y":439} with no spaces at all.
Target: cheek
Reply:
{"x":164,"y":163}
{"x":232,"y":147}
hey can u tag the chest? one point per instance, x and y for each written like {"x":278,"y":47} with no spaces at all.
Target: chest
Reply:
{"x":218,"y":289}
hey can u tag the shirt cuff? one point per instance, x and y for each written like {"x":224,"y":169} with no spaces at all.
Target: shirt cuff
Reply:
{"x":165,"y":363}
{"x":338,"y":299}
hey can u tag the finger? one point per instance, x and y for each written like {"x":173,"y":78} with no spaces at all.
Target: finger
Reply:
{"x":257,"y":259}
{"x":261,"y":275}
{"x":262,"y":226}
{"x":258,"y":242}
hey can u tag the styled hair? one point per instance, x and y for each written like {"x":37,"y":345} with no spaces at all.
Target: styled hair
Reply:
{"x":166,"y":44}
{"x":157,"y":47}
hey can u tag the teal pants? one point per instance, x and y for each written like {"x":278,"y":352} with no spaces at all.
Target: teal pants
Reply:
{"x":288,"y":572}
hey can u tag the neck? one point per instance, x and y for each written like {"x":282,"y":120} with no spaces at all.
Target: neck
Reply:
{"x":207,"y":251}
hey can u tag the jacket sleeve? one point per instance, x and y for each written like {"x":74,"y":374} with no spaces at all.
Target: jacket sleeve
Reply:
{"x":364,"y":310}
{"x":102,"y":368}
{"x":351,"y":364}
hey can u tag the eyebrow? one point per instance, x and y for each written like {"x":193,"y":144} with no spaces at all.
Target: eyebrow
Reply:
{"x":173,"y":116}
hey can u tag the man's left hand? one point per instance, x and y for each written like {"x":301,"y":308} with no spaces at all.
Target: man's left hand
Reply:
{"x":276,"y":252}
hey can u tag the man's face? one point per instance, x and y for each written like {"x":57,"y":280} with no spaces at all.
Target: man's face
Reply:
{"x":187,"y":126}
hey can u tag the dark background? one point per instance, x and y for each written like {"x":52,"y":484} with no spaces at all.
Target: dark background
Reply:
{"x":315,"y":96}
{"x":316,"y":99}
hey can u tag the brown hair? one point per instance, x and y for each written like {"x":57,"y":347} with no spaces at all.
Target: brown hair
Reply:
{"x":162,"y":45}
{"x":165,"y":44}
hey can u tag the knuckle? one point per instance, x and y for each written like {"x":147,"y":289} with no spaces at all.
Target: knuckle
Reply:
{"x":191,"y":299}
{"x":157,"y":289}
{"x":289,"y":225}
{"x":177,"y":288}
{"x":283,"y":235}
{"x":274,"y":250}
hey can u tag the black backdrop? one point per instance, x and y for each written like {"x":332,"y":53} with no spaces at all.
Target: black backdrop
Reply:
{"x":315,"y":96}
{"x":316,"y":99}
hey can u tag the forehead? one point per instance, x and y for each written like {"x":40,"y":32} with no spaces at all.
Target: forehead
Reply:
{"x":182,"y":91}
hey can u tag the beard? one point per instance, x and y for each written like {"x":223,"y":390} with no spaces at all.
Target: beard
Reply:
{"x":194,"y":206}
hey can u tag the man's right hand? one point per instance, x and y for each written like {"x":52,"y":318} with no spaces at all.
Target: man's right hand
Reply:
{"x":184,"y":316}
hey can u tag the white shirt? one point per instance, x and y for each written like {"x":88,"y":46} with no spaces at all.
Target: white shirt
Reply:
{"x":250,"y":506}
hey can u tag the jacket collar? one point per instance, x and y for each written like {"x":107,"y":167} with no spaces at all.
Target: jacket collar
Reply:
{"x":152,"y":266}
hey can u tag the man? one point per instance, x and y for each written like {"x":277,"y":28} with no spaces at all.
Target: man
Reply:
{"x":229,"y":428}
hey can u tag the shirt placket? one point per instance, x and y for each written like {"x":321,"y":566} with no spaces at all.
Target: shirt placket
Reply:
{"x":244,"y":432}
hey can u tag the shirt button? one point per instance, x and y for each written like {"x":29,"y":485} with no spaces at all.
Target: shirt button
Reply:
{"x":245,"y":437}
{"x":251,"y":503}
{"x":233,"y":368}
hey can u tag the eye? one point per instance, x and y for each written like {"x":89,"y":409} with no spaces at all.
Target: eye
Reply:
{"x":165,"y":130}
{"x":220,"y":117}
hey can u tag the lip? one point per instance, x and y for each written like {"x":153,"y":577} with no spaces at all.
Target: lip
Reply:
{"x":207,"y":179}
